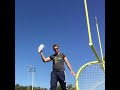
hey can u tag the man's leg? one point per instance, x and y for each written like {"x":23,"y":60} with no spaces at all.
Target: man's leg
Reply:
{"x":53,"y":81}
{"x":61,"y":79}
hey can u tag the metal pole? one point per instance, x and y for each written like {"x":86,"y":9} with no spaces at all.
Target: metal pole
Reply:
{"x":88,"y":23}
{"x":89,"y":33}
{"x":99,"y":37}
{"x":29,"y":68}
{"x":32,"y":78}
{"x":33,"y":70}
{"x":100,"y":43}
{"x":28,"y":78}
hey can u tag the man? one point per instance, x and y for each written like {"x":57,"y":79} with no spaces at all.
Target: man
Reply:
{"x":58,"y":67}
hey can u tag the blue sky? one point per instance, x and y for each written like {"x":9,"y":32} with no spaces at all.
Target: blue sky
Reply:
{"x":50,"y":22}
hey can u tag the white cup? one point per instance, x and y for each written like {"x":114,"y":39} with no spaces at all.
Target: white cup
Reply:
{"x":41,"y":47}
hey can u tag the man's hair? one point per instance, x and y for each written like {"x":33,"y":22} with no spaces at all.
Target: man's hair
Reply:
{"x":55,"y":45}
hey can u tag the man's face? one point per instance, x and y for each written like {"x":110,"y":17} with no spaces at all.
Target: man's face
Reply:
{"x":56,"y":49}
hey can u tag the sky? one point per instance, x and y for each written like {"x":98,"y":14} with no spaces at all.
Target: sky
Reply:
{"x":55,"y":21}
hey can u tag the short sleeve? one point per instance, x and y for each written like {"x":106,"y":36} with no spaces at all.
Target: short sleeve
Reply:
{"x":51,"y":57}
{"x":64,"y":55}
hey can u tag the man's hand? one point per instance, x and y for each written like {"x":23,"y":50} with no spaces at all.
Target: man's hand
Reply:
{"x":73,"y":73}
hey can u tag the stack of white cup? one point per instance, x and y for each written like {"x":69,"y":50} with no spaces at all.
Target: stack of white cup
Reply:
{"x":41,"y":47}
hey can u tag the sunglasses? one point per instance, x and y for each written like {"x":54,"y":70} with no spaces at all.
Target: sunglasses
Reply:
{"x":56,"y":48}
